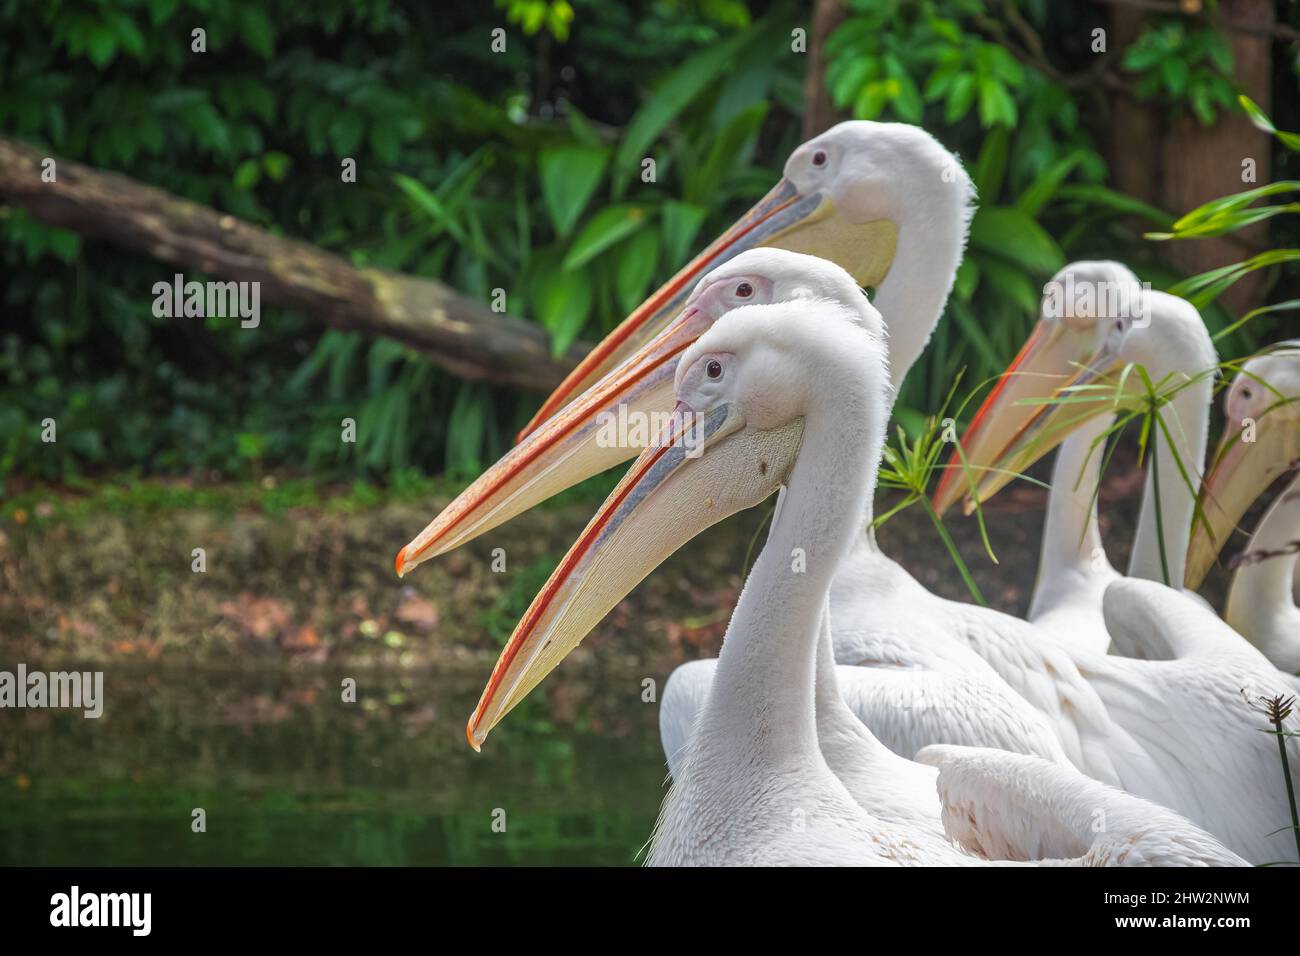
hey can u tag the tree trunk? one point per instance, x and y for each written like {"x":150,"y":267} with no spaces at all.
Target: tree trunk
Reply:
{"x":1202,"y":163}
{"x":819,"y":113}
{"x":457,"y":333}
{"x":1178,"y":164}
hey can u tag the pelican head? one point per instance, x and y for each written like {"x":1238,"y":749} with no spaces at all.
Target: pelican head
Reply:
{"x":844,"y":196}
{"x":1260,"y":443}
{"x":615,"y":418}
{"x":1095,"y":318}
{"x":743,"y":391}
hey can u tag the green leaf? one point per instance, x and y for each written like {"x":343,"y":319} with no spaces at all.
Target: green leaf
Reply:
{"x":101,"y":45}
{"x":728,"y":147}
{"x":960,"y":97}
{"x":996,"y":105}
{"x":975,"y":334}
{"x":603,"y":230}
{"x":128,"y":34}
{"x":1009,"y":233}
{"x":570,"y":175}
{"x":1011,"y":284}
{"x":160,"y":10}
{"x":1288,"y":306}
{"x":681,"y":222}
{"x":259,"y":35}
{"x":872,"y":99}
{"x":677,"y":91}
{"x":276,"y":165}
{"x":1225,"y":205}
{"x":1042,"y":189}
{"x":1203,"y":289}
{"x":563,"y":302}
{"x":1117,"y":201}
{"x":466,"y":429}
{"x":968,"y":279}
{"x":346,"y":132}
{"x":637,"y":260}
{"x":247,"y":174}
{"x":991,"y":165}
{"x":430,"y":204}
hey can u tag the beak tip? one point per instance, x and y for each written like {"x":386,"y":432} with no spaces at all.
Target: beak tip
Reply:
{"x":399,"y":565}
{"x":472,"y":736}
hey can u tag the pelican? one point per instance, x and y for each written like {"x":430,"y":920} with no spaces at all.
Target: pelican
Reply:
{"x":866,"y":190}
{"x":880,"y":615}
{"x":1085,"y":337}
{"x":1260,"y":443}
{"x":884,"y":201}
{"x":794,"y":396}
{"x":1261,"y":605}
{"x":1137,"y":724}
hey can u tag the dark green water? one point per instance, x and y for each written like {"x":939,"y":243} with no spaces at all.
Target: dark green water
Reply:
{"x":288,"y":774}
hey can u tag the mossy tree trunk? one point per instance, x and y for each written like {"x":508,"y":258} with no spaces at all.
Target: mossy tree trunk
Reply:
{"x":458,"y":333}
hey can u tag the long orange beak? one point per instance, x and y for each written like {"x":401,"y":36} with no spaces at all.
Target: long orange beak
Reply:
{"x":1249,"y":459}
{"x":674,"y":490}
{"x":649,"y":318}
{"x":610,"y":423}
{"x":1043,"y":395}
{"x":588,"y":435}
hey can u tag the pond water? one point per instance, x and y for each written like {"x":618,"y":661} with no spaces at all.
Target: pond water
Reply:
{"x":289,"y":774}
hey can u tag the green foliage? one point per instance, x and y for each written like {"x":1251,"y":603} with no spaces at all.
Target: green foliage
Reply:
{"x":1179,"y":64}
{"x":534,"y":15}
{"x":1037,"y":172}
{"x":907,"y":467}
{"x":904,"y":56}
{"x":481,"y":169}
{"x":1227,"y":214}
{"x":522,"y":171}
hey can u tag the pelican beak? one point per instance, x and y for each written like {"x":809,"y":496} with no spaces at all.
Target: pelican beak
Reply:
{"x":608,"y":424}
{"x":602,"y":426}
{"x":1041,"y":397}
{"x":785,"y":219}
{"x":1249,"y":458}
{"x":701,"y":469}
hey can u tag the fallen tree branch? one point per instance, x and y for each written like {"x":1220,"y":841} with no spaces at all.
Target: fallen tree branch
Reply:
{"x":458,"y":333}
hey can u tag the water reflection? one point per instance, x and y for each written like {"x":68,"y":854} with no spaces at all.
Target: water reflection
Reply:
{"x":288,"y":774}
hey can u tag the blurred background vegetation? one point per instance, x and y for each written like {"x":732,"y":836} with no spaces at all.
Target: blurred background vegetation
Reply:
{"x":518,"y":170}
{"x":521,"y":170}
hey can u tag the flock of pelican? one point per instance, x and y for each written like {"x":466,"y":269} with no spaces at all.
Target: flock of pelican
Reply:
{"x":853,"y":717}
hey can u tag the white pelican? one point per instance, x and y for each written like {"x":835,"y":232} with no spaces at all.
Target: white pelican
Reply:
{"x":1096,"y":319}
{"x":794,"y":395}
{"x":880,"y":614}
{"x":1261,"y":604}
{"x":853,"y":194}
{"x":885,"y":201}
{"x":1139,"y":724}
{"x":1260,"y":443}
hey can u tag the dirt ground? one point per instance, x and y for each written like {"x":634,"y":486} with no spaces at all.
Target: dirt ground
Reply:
{"x":310,"y":585}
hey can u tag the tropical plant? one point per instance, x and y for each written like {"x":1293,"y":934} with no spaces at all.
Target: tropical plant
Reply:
{"x":948,"y":65}
{"x":1228,"y":214}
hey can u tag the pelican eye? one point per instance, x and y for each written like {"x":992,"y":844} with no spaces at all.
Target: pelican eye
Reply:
{"x":713,"y":369}
{"x":819,"y":158}
{"x":744,"y":290}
